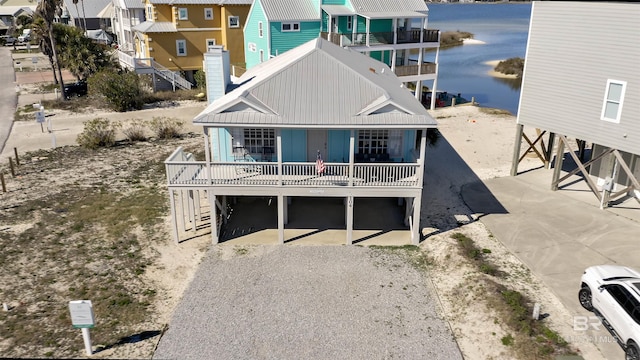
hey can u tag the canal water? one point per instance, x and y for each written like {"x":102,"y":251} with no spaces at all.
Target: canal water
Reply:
{"x":504,"y":30}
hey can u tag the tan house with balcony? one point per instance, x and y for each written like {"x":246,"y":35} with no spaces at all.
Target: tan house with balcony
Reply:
{"x":176,"y":33}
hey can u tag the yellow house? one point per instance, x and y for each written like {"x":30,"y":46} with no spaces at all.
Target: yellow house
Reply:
{"x":176,"y":33}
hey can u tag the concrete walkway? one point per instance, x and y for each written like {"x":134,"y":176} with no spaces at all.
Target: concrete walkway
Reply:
{"x":558,"y":234}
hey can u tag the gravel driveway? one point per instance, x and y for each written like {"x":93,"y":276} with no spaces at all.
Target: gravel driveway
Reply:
{"x":302,"y":302}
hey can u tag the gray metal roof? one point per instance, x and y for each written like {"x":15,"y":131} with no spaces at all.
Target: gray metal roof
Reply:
{"x":92,"y":8}
{"x":318,"y":85}
{"x":416,"y":8}
{"x":155,"y":27}
{"x":393,"y":14}
{"x":202,"y":2}
{"x":283,"y":10}
{"x":337,"y":10}
{"x":131,"y":4}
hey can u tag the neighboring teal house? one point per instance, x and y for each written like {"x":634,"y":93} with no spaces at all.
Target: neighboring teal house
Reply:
{"x":284,"y":130}
{"x":394,"y":32}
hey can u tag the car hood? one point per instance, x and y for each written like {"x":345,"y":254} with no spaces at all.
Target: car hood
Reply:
{"x":614,"y":271}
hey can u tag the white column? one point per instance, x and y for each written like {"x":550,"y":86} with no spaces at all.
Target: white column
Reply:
{"x":279,"y":154}
{"x":350,"y":220}
{"x":395,"y":31}
{"x":368,"y":21}
{"x":415,"y":235}
{"x":351,"y":155}
{"x":191,"y":207}
{"x":207,"y":153}
{"x":214,"y":224}
{"x":435,"y":80}
{"x":423,"y":151}
{"x":281,"y":206}
{"x":174,"y":220}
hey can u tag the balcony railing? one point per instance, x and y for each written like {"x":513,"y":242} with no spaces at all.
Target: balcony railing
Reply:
{"x":410,"y":70}
{"x":184,"y":172}
{"x":382,"y":38}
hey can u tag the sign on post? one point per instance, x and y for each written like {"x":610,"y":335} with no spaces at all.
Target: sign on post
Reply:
{"x":82,"y":317}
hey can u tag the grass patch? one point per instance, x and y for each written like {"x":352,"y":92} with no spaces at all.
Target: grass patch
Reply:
{"x":493,"y":111}
{"x":469,"y":250}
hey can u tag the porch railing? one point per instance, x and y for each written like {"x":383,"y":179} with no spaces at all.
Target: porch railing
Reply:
{"x":183,"y":171}
{"x":382,"y":38}
{"x":409,"y":70}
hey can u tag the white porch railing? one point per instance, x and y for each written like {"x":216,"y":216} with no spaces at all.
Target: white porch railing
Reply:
{"x":184,"y":172}
{"x":142,"y":65}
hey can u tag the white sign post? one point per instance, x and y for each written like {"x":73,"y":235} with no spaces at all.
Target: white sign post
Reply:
{"x":40,"y":118}
{"x":82,"y":317}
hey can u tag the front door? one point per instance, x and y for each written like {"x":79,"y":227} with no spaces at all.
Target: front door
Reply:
{"x":316,"y":140}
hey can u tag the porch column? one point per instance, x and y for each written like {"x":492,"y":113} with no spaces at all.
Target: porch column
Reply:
{"x":423,"y":153}
{"x":351,"y":155}
{"x":557,"y":167}
{"x":415,"y":234}
{"x":207,"y":153}
{"x":395,"y":32}
{"x":516,"y":150}
{"x":420,"y":62}
{"x":394,"y":53}
{"x":286,"y":210}
{"x":214,"y":216}
{"x":281,"y":206}
{"x":174,"y":220}
{"x":354,"y":27}
{"x":279,"y":154}
{"x":350,"y":220}
{"x":368,"y":22}
{"x":435,"y":81}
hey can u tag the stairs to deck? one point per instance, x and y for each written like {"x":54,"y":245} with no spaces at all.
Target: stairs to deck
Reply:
{"x":150,"y":66}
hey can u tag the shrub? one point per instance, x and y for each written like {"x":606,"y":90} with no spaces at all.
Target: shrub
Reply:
{"x":122,"y":89}
{"x":165,"y":127}
{"x":512,"y":66}
{"x":135,"y":130}
{"x":98,"y":132}
{"x":201,"y":79}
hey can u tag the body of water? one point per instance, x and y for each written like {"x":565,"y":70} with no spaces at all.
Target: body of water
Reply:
{"x":503,"y":27}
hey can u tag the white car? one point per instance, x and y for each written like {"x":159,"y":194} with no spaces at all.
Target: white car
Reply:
{"x":612,"y":292}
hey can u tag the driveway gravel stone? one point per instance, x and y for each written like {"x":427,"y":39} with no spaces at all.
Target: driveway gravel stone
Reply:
{"x":301,"y":302}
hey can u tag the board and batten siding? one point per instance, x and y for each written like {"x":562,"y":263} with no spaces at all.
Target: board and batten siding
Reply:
{"x":573,"y":49}
{"x":285,"y":41}
{"x":256,"y":15}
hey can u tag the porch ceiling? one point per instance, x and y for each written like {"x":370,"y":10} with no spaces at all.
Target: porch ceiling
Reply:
{"x":337,"y":10}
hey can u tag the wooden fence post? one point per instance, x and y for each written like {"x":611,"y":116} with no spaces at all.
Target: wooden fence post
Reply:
{"x":13,"y":171}
{"x":4,"y":186}
{"x":15,"y":151}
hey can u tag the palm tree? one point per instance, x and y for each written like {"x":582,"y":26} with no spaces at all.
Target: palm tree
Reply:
{"x":41,"y":34}
{"x":47,"y":10}
{"x":84,"y":19}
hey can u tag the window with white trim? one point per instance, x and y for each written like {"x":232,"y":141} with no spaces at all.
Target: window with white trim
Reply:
{"x":181,"y":47}
{"x":349,"y":23}
{"x":613,"y":99}
{"x":261,"y":55}
{"x":252,"y":47}
{"x":260,"y":29}
{"x":291,"y":26}
{"x":183,"y":14}
{"x":149,"y":13}
{"x":208,"y":13}
{"x":255,"y":140}
{"x":373,"y":141}
{"x":210,"y":43}
{"x":234,"y":21}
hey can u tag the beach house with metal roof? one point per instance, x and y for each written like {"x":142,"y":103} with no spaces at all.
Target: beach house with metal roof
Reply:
{"x":96,"y":14}
{"x":393,"y":32}
{"x":284,"y":130}
{"x":584,"y":87}
{"x":126,"y":15}
{"x":176,"y":33}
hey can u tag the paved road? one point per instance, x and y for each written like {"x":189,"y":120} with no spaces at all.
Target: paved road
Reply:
{"x":8,"y":96}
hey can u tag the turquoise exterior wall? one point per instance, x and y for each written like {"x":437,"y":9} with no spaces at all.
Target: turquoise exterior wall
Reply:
{"x":294,"y":145}
{"x":252,"y":58}
{"x":333,"y":2}
{"x":285,"y":41}
{"x":338,"y":146}
{"x":381,"y":25}
{"x":408,"y":143}
{"x":221,"y":145}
